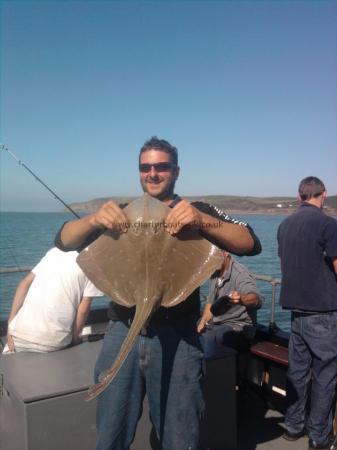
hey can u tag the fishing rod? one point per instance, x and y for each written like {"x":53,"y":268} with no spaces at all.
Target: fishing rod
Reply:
{"x":21,"y":163}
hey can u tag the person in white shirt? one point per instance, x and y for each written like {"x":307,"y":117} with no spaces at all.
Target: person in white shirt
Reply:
{"x":51,"y":305}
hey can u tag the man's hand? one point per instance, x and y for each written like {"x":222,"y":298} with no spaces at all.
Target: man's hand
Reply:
{"x":183,"y":214}
{"x":235,"y":297}
{"x":250,"y":299}
{"x":10,"y":343}
{"x":77,"y":340}
{"x":110,"y":216}
{"x":206,"y":317}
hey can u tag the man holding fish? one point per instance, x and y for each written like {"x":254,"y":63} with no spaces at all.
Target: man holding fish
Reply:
{"x":166,"y":362}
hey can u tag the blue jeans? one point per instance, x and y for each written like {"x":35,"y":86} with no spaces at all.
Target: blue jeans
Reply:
{"x":223,"y":334}
{"x":167,"y":365}
{"x":312,"y":374}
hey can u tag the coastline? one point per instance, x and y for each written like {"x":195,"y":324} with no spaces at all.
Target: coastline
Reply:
{"x":230,"y":204}
{"x":283,"y":212}
{"x":229,"y":211}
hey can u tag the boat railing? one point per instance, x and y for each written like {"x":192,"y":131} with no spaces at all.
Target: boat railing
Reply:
{"x":14,"y":269}
{"x":274,"y":282}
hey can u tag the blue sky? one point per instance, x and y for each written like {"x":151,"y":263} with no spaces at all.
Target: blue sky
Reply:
{"x":245,"y":89}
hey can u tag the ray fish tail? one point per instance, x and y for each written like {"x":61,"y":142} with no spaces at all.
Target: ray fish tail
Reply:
{"x":142,"y":315}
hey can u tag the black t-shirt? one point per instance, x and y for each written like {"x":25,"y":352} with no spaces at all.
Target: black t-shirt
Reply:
{"x":190,"y":308}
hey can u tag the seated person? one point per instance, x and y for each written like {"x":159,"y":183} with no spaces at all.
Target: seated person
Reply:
{"x":229,"y":316}
{"x":51,"y":305}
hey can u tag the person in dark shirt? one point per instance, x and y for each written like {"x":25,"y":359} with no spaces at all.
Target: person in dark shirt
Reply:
{"x":166,"y":361}
{"x":307,"y":242}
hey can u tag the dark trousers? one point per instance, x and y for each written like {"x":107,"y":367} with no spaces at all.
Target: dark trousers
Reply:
{"x":312,"y":374}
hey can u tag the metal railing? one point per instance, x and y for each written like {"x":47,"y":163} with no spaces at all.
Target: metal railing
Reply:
{"x":14,"y":269}
{"x":274,"y":282}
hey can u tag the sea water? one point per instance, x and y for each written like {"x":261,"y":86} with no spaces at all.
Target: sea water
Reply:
{"x":26,"y":237}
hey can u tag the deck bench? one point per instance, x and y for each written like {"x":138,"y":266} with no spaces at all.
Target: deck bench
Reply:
{"x":270,"y":351}
{"x":268,"y":365}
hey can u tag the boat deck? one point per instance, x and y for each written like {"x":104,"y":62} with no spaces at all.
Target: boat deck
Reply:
{"x":260,"y":427}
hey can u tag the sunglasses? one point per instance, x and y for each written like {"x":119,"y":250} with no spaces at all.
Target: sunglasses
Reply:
{"x":159,"y":167}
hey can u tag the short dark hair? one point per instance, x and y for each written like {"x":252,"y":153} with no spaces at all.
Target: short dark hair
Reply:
{"x":310,"y":187}
{"x":162,"y":145}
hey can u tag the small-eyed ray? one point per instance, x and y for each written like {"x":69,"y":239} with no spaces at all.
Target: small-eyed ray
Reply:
{"x":146,"y":267}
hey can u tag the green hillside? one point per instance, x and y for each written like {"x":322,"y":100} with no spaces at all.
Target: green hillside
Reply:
{"x":228,"y":203}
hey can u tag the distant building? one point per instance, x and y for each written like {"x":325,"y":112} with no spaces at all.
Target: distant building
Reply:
{"x":279,"y":205}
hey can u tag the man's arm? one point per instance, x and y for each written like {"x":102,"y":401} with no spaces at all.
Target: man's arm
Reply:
{"x":81,"y":318}
{"x":18,"y":301}
{"x":233,"y":237}
{"x":246,"y":291}
{"x":250,"y":300}
{"x":75,"y":232}
{"x":206,"y":317}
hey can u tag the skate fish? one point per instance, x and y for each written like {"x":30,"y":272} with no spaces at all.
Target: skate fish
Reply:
{"x":147,"y":268}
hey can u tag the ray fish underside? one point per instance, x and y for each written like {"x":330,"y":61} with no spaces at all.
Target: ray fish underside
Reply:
{"x":147,"y":268}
